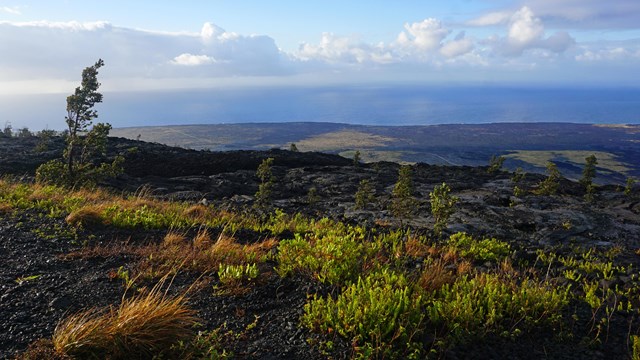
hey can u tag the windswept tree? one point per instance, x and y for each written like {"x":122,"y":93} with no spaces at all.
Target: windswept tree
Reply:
{"x":588,"y":174}
{"x":84,"y":141}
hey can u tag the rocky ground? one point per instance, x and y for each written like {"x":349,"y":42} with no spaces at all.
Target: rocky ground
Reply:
{"x":61,"y":284}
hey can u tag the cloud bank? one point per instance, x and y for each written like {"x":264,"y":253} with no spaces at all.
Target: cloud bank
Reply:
{"x":523,"y":46}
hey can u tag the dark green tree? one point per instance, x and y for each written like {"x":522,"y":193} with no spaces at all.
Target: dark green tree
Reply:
{"x":293,"y":147}
{"x":365,"y":194}
{"x":356,"y":158}
{"x":403,"y":204}
{"x":495,"y":164}
{"x":265,"y":174}
{"x":549,"y":186}
{"x":588,"y":174}
{"x":442,"y":206}
{"x":589,"y":171}
{"x":80,"y":114}
{"x":84,"y":141}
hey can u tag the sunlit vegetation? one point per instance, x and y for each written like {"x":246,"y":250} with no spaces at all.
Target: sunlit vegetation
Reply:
{"x":393,"y":292}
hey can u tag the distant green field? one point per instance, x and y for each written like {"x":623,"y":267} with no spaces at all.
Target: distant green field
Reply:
{"x":345,"y":139}
{"x":539,"y":158}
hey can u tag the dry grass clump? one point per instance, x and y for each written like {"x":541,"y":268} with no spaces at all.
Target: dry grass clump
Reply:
{"x":435,"y":275}
{"x":5,"y":209}
{"x":202,"y":253}
{"x":173,"y":238}
{"x":88,"y":216}
{"x":143,"y":326}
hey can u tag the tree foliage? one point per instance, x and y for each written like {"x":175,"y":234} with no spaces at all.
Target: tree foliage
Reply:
{"x":549,"y":186}
{"x":365,"y":194}
{"x":403,"y":204}
{"x":264,"y":173}
{"x":79,"y":165}
{"x":442,"y":206}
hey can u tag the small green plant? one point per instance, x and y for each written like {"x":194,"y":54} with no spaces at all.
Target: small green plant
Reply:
{"x":518,"y":192}
{"x":518,"y":175}
{"x":629,"y":186}
{"x":380,"y":314}
{"x":549,"y":186}
{"x":495,"y":164}
{"x":293,"y":147}
{"x":23,"y":279}
{"x":635,"y":347}
{"x":233,"y":275}
{"x":442,"y":206}
{"x":488,"y":249}
{"x":312,"y":196}
{"x":403,"y":204}
{"x":267,"y":180}
{"x":365,"y":194}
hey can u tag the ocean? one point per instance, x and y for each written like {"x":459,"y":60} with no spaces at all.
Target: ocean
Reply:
{"x":368,"y":105}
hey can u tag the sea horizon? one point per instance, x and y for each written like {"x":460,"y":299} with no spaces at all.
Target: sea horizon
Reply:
{"x":356,"y":105}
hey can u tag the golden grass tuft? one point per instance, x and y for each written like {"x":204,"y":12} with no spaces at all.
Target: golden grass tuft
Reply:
{"x":5,"y":209}
{"x":202,"y":240}
{"x":143,"y":326}
{"x":173,"y":238}
{"x":416,"y":248}
{"x":197,"y":212}
{"x":435,"y":275}
{"x":88,"y":216}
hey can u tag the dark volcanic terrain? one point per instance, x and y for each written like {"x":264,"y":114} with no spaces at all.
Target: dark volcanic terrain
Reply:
{"x":526,"y":145}
{"x":68,"y":276}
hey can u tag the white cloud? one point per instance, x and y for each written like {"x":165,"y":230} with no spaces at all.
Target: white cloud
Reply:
{"x":192,"y":60}
{"x":425,"y":36}
{"x":493,"y":18}
{"x":13,"y":10}
{"x":348,"y":50}
{"x":62,"y":49}
{"x":457,"y":47}
{"x":526,"y":31}
{"x":524,"y":28}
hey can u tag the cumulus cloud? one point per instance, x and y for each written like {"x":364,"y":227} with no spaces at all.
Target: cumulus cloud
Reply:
{"x":426,"y":35}
{"x":457,"y":47}
{"x":61,"y":49}
{"x":192,"y":60}
{"x":349,"y":50}
{"x":526,"y":31}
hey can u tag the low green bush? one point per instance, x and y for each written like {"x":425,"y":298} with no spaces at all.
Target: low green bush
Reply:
{"x":380,"y":314}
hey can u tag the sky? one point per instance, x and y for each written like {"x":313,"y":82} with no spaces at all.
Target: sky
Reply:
{"x":156,"y":45}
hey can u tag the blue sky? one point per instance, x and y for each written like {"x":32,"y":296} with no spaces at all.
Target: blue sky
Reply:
{"x":198,"y":44}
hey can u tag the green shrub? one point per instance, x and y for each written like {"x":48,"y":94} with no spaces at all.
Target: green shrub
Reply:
{"x":480,"y":250}
{"x":488,"y":303}
{"x":332,"y":258}
{"x":380,"y":314}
